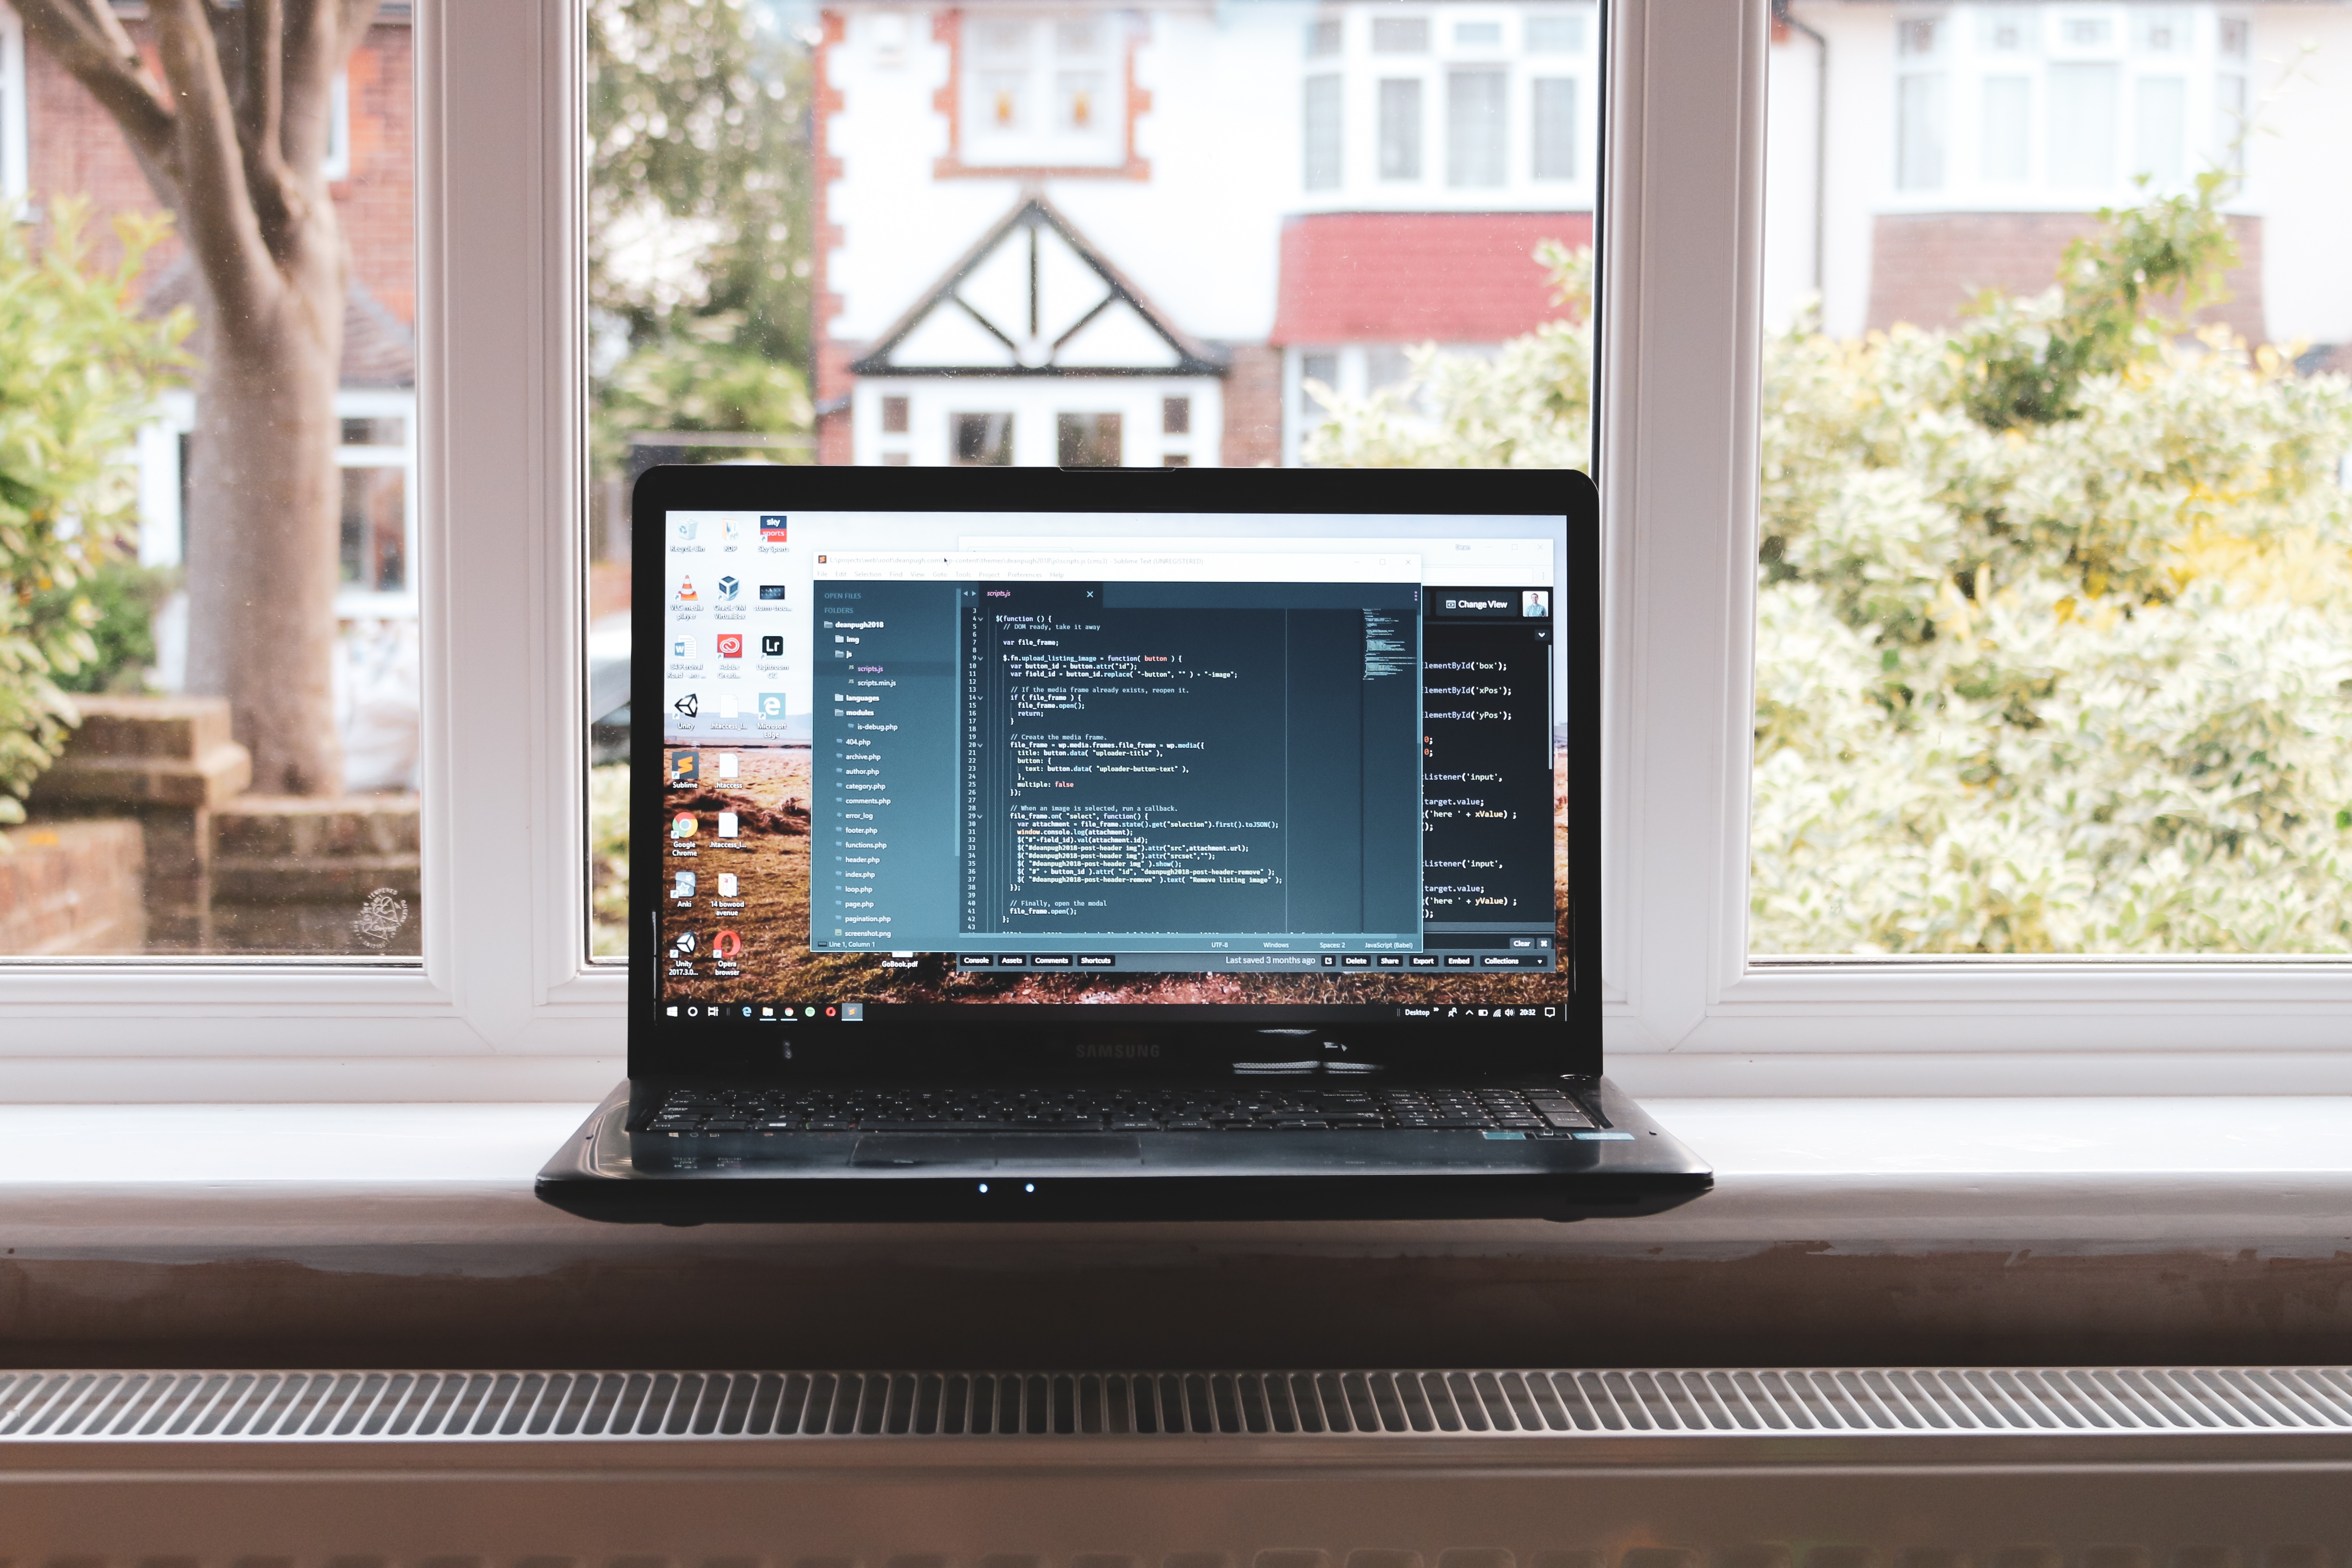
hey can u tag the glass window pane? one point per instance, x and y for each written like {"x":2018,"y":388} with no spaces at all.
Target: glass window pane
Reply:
{"x":2160,"y":114}
{"x":1473,"y":115}
{"x":2008,"y":128}
{"x":1919,"y":131}
{"x":2055,"y":578}
{"x":782,"y":206}
{"x":1553,"y":103}
{"x":221,"y":760}
{"x":1400,"y":129}
{"x":2082,"y":126}
{"x":1319,"y":97}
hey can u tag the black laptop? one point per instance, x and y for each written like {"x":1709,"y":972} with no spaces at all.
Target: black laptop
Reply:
{"x":1185,"y":844}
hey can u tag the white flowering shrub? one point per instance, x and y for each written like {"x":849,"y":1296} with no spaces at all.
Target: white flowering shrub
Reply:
{"x":2055,"y":616}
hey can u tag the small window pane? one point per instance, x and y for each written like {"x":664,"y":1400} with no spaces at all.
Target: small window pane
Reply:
{"x":1920,"y":132}
{"x":1401,"y":129}
{"x":1323,"y":37}
{"x":1917,"y":34}
{"x":2160,"y":126}
{"x":1400,"y":35}
{"x":2087,"y":32}
{"x":1175,"y":415}
{"x":375,"y":529}
{"x":984,"y":440}
{"x":375,"y":430}
{"x":1176,"y":460}
{"x":2008,"y":128}
{"x":2006,"y":30}
{"x":894,"y":415}
{"x":2160,"y":30}
{"x":1086,"y":440}
{"x":1477,"y":35}
{"x":2082,"y":126}
{"x":1553,"y":103}
{"x":1321,"y":133}
{"x":1473,"y":115}
{"x":1555,"y":34}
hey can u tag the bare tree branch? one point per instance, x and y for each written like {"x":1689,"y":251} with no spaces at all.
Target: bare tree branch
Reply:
{"x":276,"y":200}
{"x":89,"y":42}
{"x":313,"y":55}
{"x":216,"y":213}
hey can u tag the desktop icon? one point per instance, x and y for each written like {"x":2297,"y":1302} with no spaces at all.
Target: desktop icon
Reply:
{"x":727,"y":705}
{"x":686,"y":593}
{"x":681,"y":648}
{"x":685,"y":768}
{"x":771,"y":648}
{"x":685,"y":889}
{"x":727,"y":825}
{"x":688,"y":705}
{"x":730,"y":645}
{"x":772,"y":528}
{"x":726,"y":883}
{"x":683,"y":945}
{"x":771,"y":593}
{"x":729,"y":588}
{"x":682,"y":825}
{"x":730,"y":765}
{"x":727,"y":945}
{"x":733,"y":528}
{"x":772,"y":707}
{"x":686,"y":530}
{"x":853,"y":1012}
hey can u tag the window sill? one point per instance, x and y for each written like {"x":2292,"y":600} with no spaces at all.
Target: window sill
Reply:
{"x":2272,"y":1173}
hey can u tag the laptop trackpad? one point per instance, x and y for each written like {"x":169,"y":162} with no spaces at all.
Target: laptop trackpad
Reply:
{"x":1021,"y":1151}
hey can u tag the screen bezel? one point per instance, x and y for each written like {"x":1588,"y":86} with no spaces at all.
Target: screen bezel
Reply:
{"x":998,"y":1040}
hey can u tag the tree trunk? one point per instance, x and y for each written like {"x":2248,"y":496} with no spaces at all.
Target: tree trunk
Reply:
{"x":264,"y":516}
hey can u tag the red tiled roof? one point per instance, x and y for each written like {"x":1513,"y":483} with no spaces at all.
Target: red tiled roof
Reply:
{"x":1458,"y":278}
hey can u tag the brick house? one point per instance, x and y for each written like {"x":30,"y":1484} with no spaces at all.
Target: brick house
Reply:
{"x":1094,"y":234}
{"x":56,"y":141}
{"x":1920,"y":153}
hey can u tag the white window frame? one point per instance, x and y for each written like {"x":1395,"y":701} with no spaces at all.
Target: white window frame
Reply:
{"x":506,"y":1006}
{"x":1689,"y":1011}
{"x":16,"y":155}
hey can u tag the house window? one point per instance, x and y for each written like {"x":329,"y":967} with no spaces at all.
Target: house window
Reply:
{"x":1086,"y":440}
{"x":1043,"y":90}
{"x":1400,"y":129}
{"x":982,"y":440}
{"x":1555,"y":34}
{"x":2082,"y":104}
{"x":337,"y":163}
{"x":1552,"y":114}
{"x":2008,"y":128}
{"x":1175,"y":416}
{"x":1320,"y":137}
{"x":1475,"y":103}
{"x":1323,"y":37}
{"x":1477,"y":35}
{"x":894,"y":415}
{"x":1400,"y":35}
{"x":2160,"y":128}
{"x":1919,"y":131}
{"x":1176,"y":460}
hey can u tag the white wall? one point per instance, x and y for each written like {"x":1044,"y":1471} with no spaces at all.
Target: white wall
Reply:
{"x":1791,"y":177}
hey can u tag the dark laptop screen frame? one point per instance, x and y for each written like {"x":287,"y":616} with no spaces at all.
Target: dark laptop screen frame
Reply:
{"x":1082,"y":1044}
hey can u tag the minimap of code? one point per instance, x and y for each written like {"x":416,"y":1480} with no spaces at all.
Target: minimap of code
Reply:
{"x":1159,"y":759}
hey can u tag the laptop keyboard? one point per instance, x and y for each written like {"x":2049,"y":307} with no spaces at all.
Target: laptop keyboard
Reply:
{"x":1539,"y":1112}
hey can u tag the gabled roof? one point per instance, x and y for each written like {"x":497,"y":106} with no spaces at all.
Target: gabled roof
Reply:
{"x":1034,"y":297}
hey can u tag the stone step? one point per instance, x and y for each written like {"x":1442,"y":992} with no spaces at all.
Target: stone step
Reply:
{"x":338,"y":850}
{"x":136,"y":752}
{"x":72,"y":889}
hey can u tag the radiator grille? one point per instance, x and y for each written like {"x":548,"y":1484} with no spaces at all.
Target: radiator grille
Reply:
{"x":378,"y":1406}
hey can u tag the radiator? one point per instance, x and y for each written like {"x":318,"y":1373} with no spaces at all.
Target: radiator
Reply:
{"x":1466,"y":1467}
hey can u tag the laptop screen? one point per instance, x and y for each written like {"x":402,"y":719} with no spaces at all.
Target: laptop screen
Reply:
{"x":1287,"y":770}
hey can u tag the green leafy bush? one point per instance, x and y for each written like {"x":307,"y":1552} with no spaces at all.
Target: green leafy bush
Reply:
{"x":78,"y":372}
{"x":2054,"y":615}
